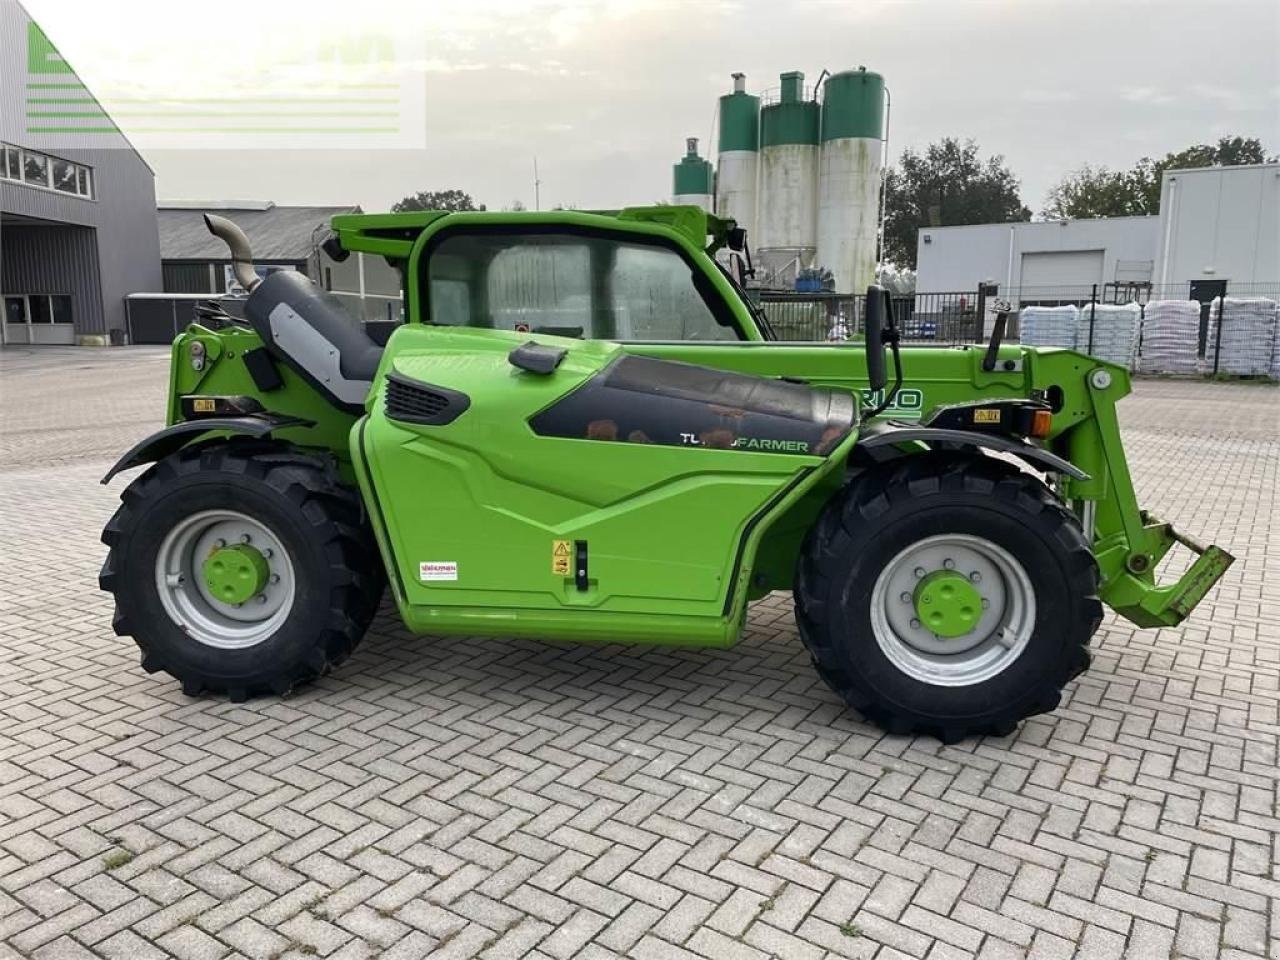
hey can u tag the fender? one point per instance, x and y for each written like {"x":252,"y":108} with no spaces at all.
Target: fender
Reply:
{"x":882,"y":437}
{"x":172,"y":439}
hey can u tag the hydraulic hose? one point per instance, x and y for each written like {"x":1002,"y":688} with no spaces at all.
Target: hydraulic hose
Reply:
{"x":238,"y":243}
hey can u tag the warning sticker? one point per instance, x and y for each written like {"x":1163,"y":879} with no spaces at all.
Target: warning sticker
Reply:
{"x":437,"y":570}
{"x":986,"y":416}
{"x":561,"y":554}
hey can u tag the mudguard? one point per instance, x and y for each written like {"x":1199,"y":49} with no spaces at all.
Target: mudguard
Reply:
{"x":882,"y":437}
{"x":172,"y":439}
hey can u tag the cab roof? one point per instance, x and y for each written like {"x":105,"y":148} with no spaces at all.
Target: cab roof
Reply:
{"x":393,"y":234}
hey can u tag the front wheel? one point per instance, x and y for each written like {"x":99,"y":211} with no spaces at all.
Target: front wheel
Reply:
{"x":241,"y":568}
{"x":950,"y":595}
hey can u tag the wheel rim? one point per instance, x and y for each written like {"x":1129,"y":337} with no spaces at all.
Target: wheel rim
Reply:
{"x":219,"y":554}
{"x":922,"y":610}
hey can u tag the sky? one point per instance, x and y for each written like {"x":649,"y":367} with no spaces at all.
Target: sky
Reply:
{"x":434,"y":95}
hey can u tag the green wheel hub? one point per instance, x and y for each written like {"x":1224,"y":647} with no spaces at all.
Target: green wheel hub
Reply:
{"x":947,"y":604}
{"x":236,"y":573}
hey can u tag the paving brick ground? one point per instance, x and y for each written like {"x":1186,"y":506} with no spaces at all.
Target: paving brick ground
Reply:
{"x":457,"y":797}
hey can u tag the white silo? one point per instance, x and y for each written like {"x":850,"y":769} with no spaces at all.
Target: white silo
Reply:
{"x":849,"y":182}
{"x":692,"y":178}
{"x":787,"y":207}
{"x":738,"y":164}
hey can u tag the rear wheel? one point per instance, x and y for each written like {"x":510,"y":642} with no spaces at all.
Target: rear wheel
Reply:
{"x":947,"y":595}
{"x":241,"y":568}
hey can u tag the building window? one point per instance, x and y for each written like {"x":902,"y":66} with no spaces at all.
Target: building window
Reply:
{"x":45,"y":172}
{"x":35,"y":169}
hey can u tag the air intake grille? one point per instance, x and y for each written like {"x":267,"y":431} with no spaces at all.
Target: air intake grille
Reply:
{"x":412,"y":402}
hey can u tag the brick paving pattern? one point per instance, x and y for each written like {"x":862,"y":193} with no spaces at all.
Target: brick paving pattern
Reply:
{"x":459,"y":797}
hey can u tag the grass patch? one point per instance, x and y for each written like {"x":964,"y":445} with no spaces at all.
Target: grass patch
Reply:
{"x":851,"y":929}
{"x":117,"y":859}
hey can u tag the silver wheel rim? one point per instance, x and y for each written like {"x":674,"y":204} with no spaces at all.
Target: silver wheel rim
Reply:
{"x":188,"y":602}
{"x":996,"y":641}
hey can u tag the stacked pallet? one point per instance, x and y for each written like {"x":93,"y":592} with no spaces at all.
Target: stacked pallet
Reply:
{"x":1048,"y":326}
{"x":1114,"y":335}
{"x":1170,"y":337}
{"x":1247,"y":330}
{"x":1275,"y":353}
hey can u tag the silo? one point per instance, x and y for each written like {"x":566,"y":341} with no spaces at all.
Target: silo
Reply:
{"x":849,"y":182}
{"x":787,"y":209}
{"x":739,"y":160}
{"x":691,"y":179}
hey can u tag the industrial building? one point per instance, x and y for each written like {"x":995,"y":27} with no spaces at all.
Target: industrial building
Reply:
{"x":283,"y":238}
{"x":77,"y":202}
{"x":1218,"y":231}
{"x":801,"y":169}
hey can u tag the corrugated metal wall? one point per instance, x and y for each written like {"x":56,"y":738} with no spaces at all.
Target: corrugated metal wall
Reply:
{"x":55,"y":260}
{"x":123,"y":211}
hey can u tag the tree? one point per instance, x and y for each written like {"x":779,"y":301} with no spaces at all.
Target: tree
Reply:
{"x":946,"y":185}
{"x":1099,"y":192}
{"x":1096,"y":192}
{"x":436,"y":200}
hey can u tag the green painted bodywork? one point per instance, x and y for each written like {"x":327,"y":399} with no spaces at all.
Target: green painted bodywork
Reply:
{"x":235,"y":573}
{"x":679,"y":538}
{"x":739,"y":122}
{"x":853,"y":105}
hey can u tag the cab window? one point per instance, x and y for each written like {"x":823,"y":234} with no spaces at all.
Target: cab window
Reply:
{"x":570,"y":285}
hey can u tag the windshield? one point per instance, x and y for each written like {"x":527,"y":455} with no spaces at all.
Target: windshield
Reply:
{"x":757,"y":312}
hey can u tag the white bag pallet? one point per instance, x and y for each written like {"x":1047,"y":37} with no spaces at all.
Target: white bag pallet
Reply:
{"x":1243,"y":336}
{"x":1170,"y":337}
{"x":1048,"y":326}
{"x":1115,"y":332}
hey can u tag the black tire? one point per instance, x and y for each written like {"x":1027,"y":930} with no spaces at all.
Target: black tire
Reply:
{"x":881,"y":513}
{"x":337,"y":571}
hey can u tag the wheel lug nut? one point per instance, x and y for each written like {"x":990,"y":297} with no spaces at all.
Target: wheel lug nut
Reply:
{"x":275,"y":578}
{"x":906,"y":597}
{"x":268,"y":552}
{"x":919,"y":572}
{"x":976,"y":577}
{"x":220,"y":543}
{"x":262,"y":598}
{"x":985,"y":603}
{"x":949,"y":564}
{"x":245,"y":538}
{"x":915,"y":624}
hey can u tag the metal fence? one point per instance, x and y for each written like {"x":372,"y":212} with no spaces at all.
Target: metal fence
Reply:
{"x":942,"y":318}
{"x":1218,"y":328}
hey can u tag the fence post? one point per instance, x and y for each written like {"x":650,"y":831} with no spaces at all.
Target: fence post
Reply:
{"x":1217,"y":347}
{"x":981,"y":310}
{"x":1093,"y":313}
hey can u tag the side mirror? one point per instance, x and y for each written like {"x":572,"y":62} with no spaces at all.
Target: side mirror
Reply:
{"x":737,"y":239}
{"x":335,"y":250}
{"x":875,"y":322}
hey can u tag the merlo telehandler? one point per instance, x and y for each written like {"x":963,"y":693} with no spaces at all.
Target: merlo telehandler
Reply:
{"x":585,"y":430}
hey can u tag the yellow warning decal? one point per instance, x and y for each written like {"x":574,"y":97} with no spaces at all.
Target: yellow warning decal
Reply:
{"x":204,"y":405}
{"x":561,"y":553}
{"x":986,"y":416}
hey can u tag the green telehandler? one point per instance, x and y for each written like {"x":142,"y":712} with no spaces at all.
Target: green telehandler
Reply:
{"x":585,"y":430}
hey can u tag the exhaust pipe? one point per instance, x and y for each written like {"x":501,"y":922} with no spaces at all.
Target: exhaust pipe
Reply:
{"x":238,"y":243}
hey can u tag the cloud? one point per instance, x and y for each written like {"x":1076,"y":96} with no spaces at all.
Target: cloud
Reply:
{"x":1147,"y":95}
{"x":1048,"y":96}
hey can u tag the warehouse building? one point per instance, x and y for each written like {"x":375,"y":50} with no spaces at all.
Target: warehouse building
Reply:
{"x":282,"y":238}
{"x":1218,"y":232}
{"x":77,"y":202}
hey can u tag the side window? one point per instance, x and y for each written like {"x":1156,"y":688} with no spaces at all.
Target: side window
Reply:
{"x":567,"y":284}
{"x":656,"y":300}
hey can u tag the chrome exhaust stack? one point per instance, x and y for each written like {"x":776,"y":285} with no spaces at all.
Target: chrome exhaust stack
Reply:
{"x":238,"y":243}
